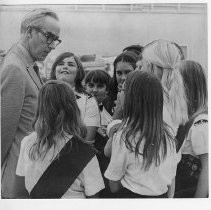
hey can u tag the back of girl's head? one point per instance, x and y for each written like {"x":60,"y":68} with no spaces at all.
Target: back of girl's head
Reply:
{"x":56,"y":99}
{"x":195,"y":85}
{"x":163,"y":53}
{"x":98,"y":77}
{"x":166,"y":56}
{"x":80,"y":70}
{"x":143,"y":117}
{"x":57,"y":115}
{"x":143,"y":97}
{"x":134,"y":48}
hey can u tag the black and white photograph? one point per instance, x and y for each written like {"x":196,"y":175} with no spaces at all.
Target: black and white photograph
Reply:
{"x":104,"y":101}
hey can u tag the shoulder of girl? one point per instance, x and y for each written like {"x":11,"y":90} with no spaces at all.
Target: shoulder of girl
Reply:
{"x":201,"y":120}
{"x":28,"y":139}
{"x":30,"y":136}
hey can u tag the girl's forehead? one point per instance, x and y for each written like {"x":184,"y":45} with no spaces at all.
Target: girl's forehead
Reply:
{"x":121,"y":66}
{"x":69,"y":59}
{"x":96,"y":81}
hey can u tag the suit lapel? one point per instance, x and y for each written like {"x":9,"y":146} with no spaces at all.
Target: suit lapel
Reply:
{"x":23,"y":54}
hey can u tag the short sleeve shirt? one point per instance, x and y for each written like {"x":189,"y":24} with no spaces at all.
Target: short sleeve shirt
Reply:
{"x":89,"y":110}
{"x":88,"y":183}
{"x":126,"y":167}
{"x":196,"y":142}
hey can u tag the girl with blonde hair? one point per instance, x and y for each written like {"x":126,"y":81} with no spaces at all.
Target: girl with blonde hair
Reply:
{"x":163,"y":57}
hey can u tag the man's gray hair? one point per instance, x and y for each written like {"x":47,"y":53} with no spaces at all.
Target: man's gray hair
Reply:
{"x":32,"y":17}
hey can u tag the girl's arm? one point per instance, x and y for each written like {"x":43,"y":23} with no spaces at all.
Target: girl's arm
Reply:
{"x":91,"y":119}
{"x":111,"y":130}
{"x":115,"y":186}
{"x":202,"y":186}
{"x":171,"y":189}
{"x":107,"y":148}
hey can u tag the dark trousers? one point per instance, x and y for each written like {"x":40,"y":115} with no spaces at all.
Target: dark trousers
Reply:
{"x":125,"y":193}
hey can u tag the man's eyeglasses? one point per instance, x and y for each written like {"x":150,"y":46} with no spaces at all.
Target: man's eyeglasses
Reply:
{"x":50,"y":38}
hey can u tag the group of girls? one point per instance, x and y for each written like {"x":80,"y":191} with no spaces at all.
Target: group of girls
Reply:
{"x":121,"y":137}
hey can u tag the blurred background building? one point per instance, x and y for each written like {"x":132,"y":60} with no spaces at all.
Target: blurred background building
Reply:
{"x":99,"y":32}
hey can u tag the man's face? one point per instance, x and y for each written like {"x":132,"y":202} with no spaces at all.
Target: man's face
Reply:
{"x":38,"y":42}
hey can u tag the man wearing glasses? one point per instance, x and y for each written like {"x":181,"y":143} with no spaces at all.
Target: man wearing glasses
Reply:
{"x":20,"y":84}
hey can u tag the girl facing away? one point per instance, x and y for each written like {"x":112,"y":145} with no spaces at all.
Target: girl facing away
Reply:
{"x":51,"y":164}
{"x":143,"y":158}
{"x":68,"y":68}
{"x":195,"y":145}
{"x":161,"y":58}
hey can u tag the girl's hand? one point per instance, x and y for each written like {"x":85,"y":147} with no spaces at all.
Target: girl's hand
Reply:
{"x":107,"y":148}
{"x":113,"y":130}
{"x":102,"y":131}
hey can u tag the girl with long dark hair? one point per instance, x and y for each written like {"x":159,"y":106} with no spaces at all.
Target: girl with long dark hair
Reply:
{"x":143,"y":158}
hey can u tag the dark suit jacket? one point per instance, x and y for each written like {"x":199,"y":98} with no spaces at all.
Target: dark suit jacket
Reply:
{"x":19,"y":91}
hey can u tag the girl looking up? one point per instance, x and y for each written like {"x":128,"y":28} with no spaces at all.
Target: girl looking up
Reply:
{"x":67,"y":67}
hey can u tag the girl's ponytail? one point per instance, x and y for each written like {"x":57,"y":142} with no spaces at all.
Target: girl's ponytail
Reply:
{"x":175,"y":97}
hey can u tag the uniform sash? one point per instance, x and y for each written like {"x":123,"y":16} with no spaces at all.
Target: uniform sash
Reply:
{"x":63,"y":170}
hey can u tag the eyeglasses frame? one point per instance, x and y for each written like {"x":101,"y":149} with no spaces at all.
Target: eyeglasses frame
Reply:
{"x":48,"y":35}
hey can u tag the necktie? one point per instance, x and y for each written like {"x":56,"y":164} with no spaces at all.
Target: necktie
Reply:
{"x":36,"y":69}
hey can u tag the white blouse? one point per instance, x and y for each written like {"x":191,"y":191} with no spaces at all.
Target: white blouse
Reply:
{"x":89,"y":110}
{"x":126,"y":167}
{"x":88,"y":183}
{"x":196,"y":142}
